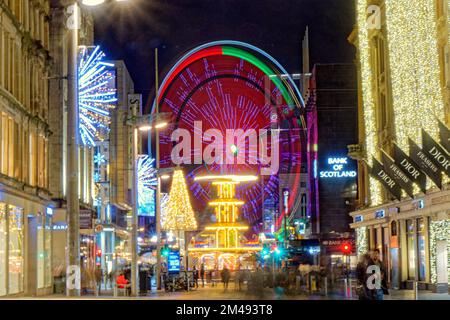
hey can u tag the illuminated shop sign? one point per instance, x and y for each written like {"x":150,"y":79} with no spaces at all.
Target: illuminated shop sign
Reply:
{"x":338,"y":169}
{"x":286,"y":200}
{"x":173,"y":262}
{"x":419,"y":204}
{"x":59,"y":227}
{"x":380,"y":214}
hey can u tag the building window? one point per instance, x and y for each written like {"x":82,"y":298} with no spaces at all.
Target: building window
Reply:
{"x":393,"y":228}
{"x":48,"y":250}
{"x":15,"y":258}
{"x":3,"y":242}
{"x":40,"y":253}
{"x":411,"y":232}
{"x":440,"y":6}
{"x":421,"y":248}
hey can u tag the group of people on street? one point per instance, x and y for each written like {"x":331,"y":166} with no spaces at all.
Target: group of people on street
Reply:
{"x":371,"y":276}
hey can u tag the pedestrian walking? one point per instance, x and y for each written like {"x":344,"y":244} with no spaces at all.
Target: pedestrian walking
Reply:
{"x":362,"y":290}
{"x":225,"y":275}
{"x":378,"y":293}
{"x":202,"y":274}
{"x":195,"y":274}
{"x":98,"y":280}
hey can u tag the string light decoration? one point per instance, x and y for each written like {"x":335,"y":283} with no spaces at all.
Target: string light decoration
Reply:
{"x":179,"y":215}
{"x":413,"y":58}
{"x":415,"y":71}
{"x":226,"y":231}
{"x":367,"y":78}
{"x":164,"y":202}
{"x":147,"y":182}
{"x":96,"y":95}
{"x":439,"y":231}
{"x":362,"y":243}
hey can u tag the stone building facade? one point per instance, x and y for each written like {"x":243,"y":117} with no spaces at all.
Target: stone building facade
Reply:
{"x":404,"y":85}
{"x":25,"y":202}
{"x":58,"y":106}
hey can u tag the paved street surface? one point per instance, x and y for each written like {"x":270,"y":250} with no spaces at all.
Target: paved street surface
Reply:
{"x":218,"y":293}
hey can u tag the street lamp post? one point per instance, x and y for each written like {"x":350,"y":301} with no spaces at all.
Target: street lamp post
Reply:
{"x":158,"y":189}
{"x":134,"y":223}
{"x":73,"y":204}
{"x":73,"y":207}
{"x":140,"y":123}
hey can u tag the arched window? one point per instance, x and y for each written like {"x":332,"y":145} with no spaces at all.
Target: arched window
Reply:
{"x":393,"y":228}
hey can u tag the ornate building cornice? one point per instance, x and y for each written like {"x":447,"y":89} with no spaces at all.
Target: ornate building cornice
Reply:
{"x":32,"y":47}
{"x":12,"y":103}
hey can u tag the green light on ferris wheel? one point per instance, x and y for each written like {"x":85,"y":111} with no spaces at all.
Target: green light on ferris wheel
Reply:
{"x":234,"y":149}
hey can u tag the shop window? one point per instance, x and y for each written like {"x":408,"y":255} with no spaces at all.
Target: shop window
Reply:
{"x":421,"y":248}
{"x":16,"y":268}
{"x":393,"y":228}
{"x":40,"y":253}
{"x":48,"y":251}
{"x":410,"y":231}
{"x":3,"y":241}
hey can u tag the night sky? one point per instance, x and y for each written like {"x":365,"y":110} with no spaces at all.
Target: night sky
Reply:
{"x":131,"y":31}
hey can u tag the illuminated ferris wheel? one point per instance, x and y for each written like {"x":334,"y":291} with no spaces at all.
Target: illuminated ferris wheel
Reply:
{"x":229,"y":85}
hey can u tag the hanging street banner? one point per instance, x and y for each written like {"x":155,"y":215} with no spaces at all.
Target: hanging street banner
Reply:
{"x":426,"y":164}
{"x":381,"y":175}
{"x":397,"y":174}
{"x":444,"y":136}
{"x":411,"y":169}
{"x":436,"y":152}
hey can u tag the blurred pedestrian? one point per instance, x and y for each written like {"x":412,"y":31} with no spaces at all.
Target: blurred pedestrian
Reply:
{"x":379,"y":292}
{"x":202,"y":274}
{"x":225,"y":275}
{"x":361,"y":277}
{"x":195,"y":275}
{"x":98,"y":280}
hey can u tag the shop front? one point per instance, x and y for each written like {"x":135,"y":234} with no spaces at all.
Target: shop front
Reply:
{"x":413,"y":237}
{"x":25,"y":247}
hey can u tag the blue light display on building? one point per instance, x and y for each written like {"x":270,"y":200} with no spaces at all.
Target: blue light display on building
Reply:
{"x":147,"y":182}
{"x":96,"y":95}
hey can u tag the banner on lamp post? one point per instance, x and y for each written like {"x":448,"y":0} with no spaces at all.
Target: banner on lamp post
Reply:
{"x":436,"y":152}
{"x":425,"y":163}
{"x":397,"y":174}
{"x":377,"y":171}
{"x":444,"y":136}
{"x":410,"y":168}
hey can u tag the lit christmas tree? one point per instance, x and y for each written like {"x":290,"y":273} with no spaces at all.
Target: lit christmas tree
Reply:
{"x":179,"y":215}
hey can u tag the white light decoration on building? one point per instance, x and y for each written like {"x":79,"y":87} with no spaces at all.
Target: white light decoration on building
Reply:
{"x":413,"y":60}
{"x":367,"y":78}
{"x":415,"y":72}
{"x":439,"y":231}
{"x":147,"y":182}
{"x":96,"y":95}
{"x":362,"y":243}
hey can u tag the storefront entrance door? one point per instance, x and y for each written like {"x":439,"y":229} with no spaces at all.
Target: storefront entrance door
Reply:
{"x":441,"y":265}
{"x":31,"y":279}
{"x":395,"y":276}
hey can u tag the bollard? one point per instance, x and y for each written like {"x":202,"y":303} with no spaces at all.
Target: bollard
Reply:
{"x":188,"y":282}
{"x":325,"y":286}
{"x":313,"y":284}
{"x":350,"y":291}
{"x":346,"y":288}
{"x":416,"y":290}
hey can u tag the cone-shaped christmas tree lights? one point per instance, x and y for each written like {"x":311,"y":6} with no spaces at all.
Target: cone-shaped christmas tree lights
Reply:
{"x":179,"y":215}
